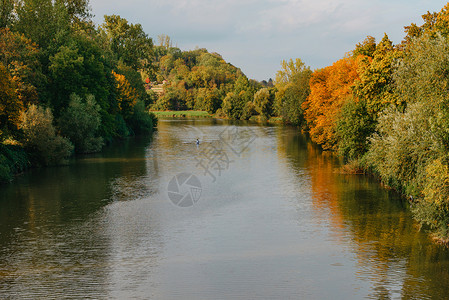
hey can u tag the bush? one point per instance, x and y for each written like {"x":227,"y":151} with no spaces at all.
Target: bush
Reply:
{"x":121,"y":130}
{"x":40,"y":137}
{"x":80,"y":123}
{"x":13,"y":159}
{"x":141,"y":121}
{"x":403,"y":145}
{"x":354,"y":126}
{"x":434,"y":210}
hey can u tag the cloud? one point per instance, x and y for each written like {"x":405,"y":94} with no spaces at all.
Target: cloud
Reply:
{"x":257,"y":34}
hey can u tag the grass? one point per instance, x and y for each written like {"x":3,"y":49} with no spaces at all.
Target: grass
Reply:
{"x":183,"y":114}
{"x":203,"y":114}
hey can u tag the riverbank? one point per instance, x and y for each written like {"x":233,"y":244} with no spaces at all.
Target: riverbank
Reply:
{"x":182,"y":114}
{"x":13,"y":160}
{"x":205,"y":114}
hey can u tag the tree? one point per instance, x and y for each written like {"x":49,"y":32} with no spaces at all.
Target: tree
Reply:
{"x":66,"y":71}
{"x":40,"y":137}
{"x":235,"y":104}
{"x":375,"y":85}
{"x":80,"y":67}
{"x":365,"y":48}
{"x":6,"y":13}
{"x":330,"y":88}
{"x":80,"y":123}
{"x":410,"y":146}
{"x":10,"y":104}
{"x":292,"y":84}
{"x":354,"y":126}
{"x":129,"y":42}
{"x":42,"y":20}
{"x":126,"y":95}
{"x":263,"y":103}
{"x":21,"y":57}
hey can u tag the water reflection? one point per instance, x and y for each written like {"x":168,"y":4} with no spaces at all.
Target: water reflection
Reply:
{"x":392,"y":254}
{"x":280,"y":222}
{"x":52,"y":241}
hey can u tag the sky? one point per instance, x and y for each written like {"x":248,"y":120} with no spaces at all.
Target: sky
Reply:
{"x":256,"y":35}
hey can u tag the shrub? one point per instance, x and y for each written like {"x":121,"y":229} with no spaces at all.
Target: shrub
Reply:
{"x":80,"y":123}
{"x":141,"y":121}
{"x":434,"y":209}
{"x":13,"y":159}
{"x":40,"y":137}
{"x":354,"y":126}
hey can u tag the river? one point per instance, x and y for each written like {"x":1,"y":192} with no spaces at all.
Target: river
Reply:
{"x":252,"y":212}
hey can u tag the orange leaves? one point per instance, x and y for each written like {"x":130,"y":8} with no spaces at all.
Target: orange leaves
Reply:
{"x":329,"y":88}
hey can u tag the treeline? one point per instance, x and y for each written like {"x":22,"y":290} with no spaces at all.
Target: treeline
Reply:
{"x":67,"y":85}
{"x":385,"y":109}
{"x":199,"y":80}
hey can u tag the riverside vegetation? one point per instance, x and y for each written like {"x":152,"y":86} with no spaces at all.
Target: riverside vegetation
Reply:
{"x":67,"y":85}
{"x":382,"y":107}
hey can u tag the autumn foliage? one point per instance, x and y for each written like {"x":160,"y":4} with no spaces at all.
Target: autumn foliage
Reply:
{"x":329,"y":89}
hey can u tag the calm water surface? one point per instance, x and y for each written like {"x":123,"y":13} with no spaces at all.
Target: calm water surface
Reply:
{"x":275,"y":220}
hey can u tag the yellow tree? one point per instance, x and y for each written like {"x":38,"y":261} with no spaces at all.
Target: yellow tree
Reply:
{"x":329,"y":88}
{"x":10,"y":104}
{"x":20,"y":56}
{"x":126,"y":95}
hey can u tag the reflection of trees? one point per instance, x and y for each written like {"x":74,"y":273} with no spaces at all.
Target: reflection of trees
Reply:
{"x":52,"y":239}
{"x":391,"y":252}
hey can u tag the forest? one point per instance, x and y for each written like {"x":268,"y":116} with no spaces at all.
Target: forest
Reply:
{"x":66,"y":85}
{"x":69,"y":86}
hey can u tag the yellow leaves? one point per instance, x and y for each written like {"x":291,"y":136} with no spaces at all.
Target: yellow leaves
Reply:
{"x":126,"y":95}
{"x":10,"y":104}
{"x":436,"y":189}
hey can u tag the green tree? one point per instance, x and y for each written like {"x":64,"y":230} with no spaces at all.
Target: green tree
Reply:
{"x":375,"y":85}
{"x":354,"y":126}
{"x":129,"y":42}
{"x":365,"y":48}
{"x":292,"y":84}
{"x":41,"y":20}
{"x":263,"y":103}
{"x":80,"y":123}
{"x":6,"y":12}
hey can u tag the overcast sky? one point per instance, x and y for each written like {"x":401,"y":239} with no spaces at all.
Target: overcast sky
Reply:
{"x":255,"y":35}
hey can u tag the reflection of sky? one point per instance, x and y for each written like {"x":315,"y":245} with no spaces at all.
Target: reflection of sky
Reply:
{"x":281,"y":222}
{"x":257,"y":35}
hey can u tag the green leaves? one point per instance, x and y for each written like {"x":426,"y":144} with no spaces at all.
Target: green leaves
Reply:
{"x":292,"y":84}
{"x":129,"y":42}
{"x":80,"y":123}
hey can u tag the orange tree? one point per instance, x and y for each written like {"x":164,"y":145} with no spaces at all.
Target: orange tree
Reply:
{"x":329,"y":89}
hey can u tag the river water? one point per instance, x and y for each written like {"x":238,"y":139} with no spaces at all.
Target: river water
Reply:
{"x":252,"y":212}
